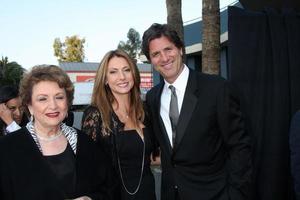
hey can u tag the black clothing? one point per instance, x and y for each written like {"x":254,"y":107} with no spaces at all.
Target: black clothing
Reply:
{"x":129,"y":148}
{"x":63,"y":167}
{"x":130,"y":152}
{"x":25,"y":173}
{"x":211,"y":156}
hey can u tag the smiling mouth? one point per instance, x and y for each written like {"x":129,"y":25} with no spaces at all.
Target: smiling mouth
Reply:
{"x":168,"y":65}
{"x":52,"y":115}
{"x":123,"y":84}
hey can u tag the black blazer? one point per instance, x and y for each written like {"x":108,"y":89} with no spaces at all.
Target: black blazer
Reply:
{"x":92,"y":126}
{"x":211,"y":158}
{"x":24,"y":174}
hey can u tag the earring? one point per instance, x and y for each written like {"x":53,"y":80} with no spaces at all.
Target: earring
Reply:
{"x":31,"y":118}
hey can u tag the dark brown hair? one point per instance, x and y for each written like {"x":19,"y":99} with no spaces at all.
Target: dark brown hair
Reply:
{"x":156,"y":31}
{"x":45,"y":73}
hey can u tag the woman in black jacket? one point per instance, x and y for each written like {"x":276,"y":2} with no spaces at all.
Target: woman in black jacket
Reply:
{"x":47,"y":159}
{"x":116,"y":120}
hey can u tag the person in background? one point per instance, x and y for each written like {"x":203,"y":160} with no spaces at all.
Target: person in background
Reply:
{"x":116,"y":120}
{"x":12,"y":113}
{"x":205,"y":151}
{"x":294,"y":140}
{"x":47,"y":159}
{"x":69,"y":120}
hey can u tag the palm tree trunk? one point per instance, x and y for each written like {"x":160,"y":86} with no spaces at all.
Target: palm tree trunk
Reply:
{"x":174,"y":18}
{"x":211,"y":36}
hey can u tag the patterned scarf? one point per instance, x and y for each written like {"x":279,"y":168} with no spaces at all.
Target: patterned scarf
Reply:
{"x":69,"y":132}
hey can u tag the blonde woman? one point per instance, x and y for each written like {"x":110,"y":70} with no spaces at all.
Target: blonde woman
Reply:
{"x":116,"y":120}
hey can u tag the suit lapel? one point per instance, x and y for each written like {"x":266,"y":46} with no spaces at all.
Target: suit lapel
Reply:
{"x":188,"y":106}
{"x":164,"y":135}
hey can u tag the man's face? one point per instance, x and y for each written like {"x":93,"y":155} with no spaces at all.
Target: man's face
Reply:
{"x":166,"y":58}
{"x":14,"y":105}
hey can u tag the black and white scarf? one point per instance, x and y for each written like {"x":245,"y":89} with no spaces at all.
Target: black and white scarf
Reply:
{"x":69,"y":132}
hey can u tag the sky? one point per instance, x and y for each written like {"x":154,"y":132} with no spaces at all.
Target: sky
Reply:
{"x":28,"y":28}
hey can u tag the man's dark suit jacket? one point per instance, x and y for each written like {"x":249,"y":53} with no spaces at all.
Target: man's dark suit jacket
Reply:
{"x":25,"y":175}
{"x":211,"y":158}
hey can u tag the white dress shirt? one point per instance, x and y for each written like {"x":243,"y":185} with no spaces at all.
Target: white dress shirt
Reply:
{"x":180,"y":86}
{"x":12,"y":127}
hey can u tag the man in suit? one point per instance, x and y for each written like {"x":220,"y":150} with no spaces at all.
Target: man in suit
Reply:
{"x":205,"y":151}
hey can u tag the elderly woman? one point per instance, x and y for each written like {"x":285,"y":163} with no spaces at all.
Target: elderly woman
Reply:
{"x":48,"y":159}
{"x":12,"y":115}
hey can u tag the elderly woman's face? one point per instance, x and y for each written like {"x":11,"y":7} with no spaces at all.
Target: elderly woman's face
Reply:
{"x":48,"y":104}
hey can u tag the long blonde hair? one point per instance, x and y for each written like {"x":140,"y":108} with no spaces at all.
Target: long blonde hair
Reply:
{"x":102,"y":97}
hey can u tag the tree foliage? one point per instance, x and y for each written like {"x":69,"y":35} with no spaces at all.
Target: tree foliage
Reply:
{"x":133,"y":45}
{"x":71,"y":50}
{"x":211,"y":37}
{"x":10,"y":72}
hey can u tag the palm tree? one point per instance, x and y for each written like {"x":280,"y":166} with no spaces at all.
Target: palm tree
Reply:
{"x":174,"y":18}
{"x":211,"y":36}
{"x":10,"y":72}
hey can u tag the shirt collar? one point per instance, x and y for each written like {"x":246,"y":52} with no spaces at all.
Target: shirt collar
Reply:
{"x":181,"y":81}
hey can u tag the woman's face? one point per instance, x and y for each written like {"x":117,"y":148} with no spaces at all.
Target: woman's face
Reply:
{"x":49,"y":105}
{"x":119,"y":76}
{"x":17,"y":111}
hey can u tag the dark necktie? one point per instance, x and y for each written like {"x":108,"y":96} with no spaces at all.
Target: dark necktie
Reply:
{"x":173,"y":112}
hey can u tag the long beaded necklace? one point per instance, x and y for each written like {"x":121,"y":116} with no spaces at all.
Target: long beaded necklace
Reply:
{"x":140,"y":180}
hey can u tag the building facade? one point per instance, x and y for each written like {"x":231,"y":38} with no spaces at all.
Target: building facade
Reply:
{"x":193,"y":42}
{"x":86,"y":71}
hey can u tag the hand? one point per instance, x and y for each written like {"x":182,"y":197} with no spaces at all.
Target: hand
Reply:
{"x":155,"y":160}
{"x":5,"y":114}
